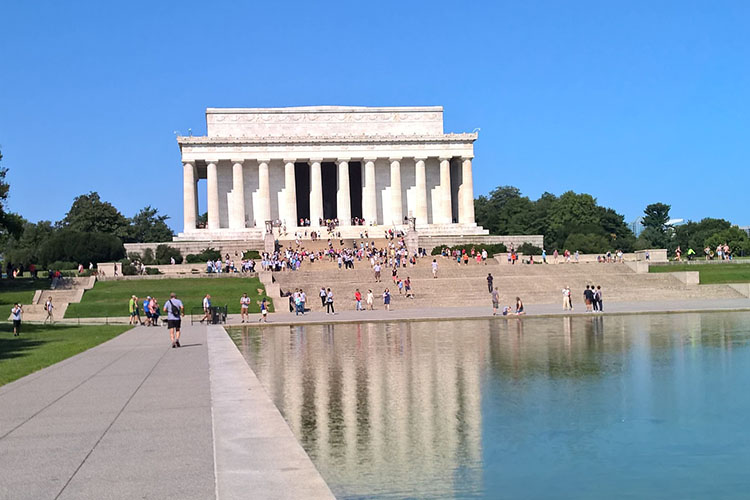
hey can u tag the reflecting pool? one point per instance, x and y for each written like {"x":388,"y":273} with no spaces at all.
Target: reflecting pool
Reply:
{"x":641,"y":406}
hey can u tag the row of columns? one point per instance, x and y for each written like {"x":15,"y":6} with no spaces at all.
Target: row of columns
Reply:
{"x":288,"y":202}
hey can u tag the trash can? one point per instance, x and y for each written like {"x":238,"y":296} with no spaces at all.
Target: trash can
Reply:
{"x":215,"y":317}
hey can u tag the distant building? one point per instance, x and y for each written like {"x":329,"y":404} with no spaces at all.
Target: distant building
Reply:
{"x":637,"y":225}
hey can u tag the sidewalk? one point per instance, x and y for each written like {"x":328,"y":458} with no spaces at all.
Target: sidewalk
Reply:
{"x":133,"y":418}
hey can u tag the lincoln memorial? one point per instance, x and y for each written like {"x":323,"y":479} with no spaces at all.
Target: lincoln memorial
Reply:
{"x":359,"y":166}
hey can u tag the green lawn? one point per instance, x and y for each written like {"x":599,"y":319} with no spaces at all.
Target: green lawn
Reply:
{"x":110,"y":298}
{"x":710,"y":273}
{"x":19,"y":290}
{"x":40,"y":346}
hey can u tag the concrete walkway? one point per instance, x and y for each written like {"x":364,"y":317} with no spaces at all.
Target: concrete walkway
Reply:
{"x":132,"y":418}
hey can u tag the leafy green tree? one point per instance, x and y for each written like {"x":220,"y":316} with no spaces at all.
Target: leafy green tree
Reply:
{"x":89,"y":214}
{"x":26,"y":248}
{"x":74,"y":246}
{"x":147,"y":226}
{"x":655,"y":228}
{"x":736,"y":238}
{"x":695,"y":234}
{"x":10,"y":224}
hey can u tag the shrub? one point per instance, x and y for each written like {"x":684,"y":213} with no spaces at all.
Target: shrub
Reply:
{"x":587,"y":243}
{"x":129,"y":269}
{"x":60,"y":265}
{"x":165,"y":253}
{"x":251,"y":254}
{"x":529,"y":249}
{"x":134,"y":256}
{"x":207,"y":254}
{"x":148,"y":257}
{"x":74,"y":246}
{"x":152,"y":270}
{"x":491,"y":249}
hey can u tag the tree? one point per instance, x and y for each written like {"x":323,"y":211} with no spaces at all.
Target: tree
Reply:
{"x":147,"y":226}
{"x":73,"y":246}
{"x":26,"y":248}
{"x":89,"y":214}
{"x":10,"y":224}
{"x":655,"y":229}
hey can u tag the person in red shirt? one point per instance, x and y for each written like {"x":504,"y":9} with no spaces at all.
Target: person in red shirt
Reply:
{"x":358,"y":299}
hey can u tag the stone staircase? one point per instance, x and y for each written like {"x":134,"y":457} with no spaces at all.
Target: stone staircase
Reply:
{"x":466,"y":285}
{"x":64,"y":292}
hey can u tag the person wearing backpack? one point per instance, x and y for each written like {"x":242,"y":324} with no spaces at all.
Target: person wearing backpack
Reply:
{"x":175,"y":310}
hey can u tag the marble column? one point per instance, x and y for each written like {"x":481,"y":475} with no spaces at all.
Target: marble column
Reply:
{"x":467,"y":192}
{"x":369,"y":194}
{"x":264,"y":195}
{"x":212,"y":182}
{"x":446,"y":212}
{"x":420,"y":176}
{"x":237,"y":221}
{"x":290,"y":191}
{"x":316,"y":193}
{"x":343,"y":196}
{"x":397,"y":207}
{"x":189,"y":198}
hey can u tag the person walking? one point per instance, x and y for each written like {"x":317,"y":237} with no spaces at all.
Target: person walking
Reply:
{"x":598,"y":298}
{"x":175,"y":311}
{"x":302,"y":301}
{"x":407,"y":288}
{"x":329,"y":302}
{"x":370,"y":300}
{"x":15,"y":313}
{"x":153,"y":306}
{"x":48,"y":307}
{"x":263,"y":311}
{"x":323,"y":296}
{"x":434,"y":268}
{"x":377,"y":269}
{"x":133,"y":310}
{"x":244,"y":307}
{"x":358,"y":300}
{"x":206,"y":308}
{"x":495,"y":301}
{"x":387,"y":299}
{"x":489,"y":282}
{"x":567,"y":304}
{"x":588,"y":297}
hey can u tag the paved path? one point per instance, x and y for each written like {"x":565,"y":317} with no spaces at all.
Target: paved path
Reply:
{"x":132,"y":418}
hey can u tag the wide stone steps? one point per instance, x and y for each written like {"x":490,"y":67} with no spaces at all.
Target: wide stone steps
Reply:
{"x":467,"y":285}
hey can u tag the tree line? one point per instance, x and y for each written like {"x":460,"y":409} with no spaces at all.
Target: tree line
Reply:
{"x":575,"y":221}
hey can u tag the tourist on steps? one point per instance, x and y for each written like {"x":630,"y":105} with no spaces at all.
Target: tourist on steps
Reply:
{"x":489,"y":282}
{"x":387,"y":299}
{"x":495,"y":301}
{"x":48,"y":307}
{"x":358,"y":300}
{"x":329,"y":302}
{"x":370,"y":300}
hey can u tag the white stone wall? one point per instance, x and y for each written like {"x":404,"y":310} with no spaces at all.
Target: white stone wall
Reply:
{"x":224,"y":169}
{"x":323,"y":121}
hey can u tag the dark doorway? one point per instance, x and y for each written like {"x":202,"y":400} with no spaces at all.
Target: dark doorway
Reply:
{"x":302,"y":184}
{"x":328,"y":174}
{"x":355,"y":188}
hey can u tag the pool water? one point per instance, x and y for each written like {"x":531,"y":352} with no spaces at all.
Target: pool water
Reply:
{"x":635,"y":406}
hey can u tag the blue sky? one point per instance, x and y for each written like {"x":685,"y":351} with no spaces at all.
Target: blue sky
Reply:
{"x":633,"y":102}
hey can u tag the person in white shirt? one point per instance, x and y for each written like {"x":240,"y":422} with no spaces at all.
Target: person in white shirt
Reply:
{"x":48,"y":309}
{"x":16,"y":313}
{"x":434,"y":268}
{"x":244,"y":305}
{"x":370,"y":299}
{"x":206,"y":308}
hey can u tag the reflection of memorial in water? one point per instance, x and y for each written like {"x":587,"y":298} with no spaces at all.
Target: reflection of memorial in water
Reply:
{"x":383,"y":405}
{"x":444,"y":409}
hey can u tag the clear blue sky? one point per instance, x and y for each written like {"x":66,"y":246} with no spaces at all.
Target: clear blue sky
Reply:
{"x":633,"y":102}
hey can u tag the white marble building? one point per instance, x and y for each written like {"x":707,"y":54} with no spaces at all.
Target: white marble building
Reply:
{"x":328,"y":162}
